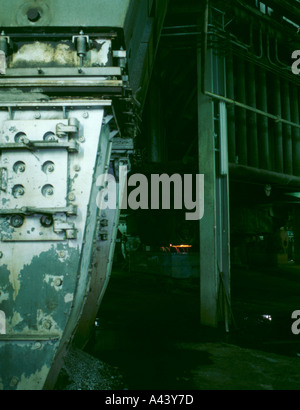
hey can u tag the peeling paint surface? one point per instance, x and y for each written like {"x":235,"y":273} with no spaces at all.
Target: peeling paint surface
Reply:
{"x":35,"y":379}
{"x":63,"y":54}
{"x":44,"y":53}
{"x":43,"y":282}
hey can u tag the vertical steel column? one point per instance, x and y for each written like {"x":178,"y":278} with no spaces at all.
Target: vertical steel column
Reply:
{"x":230,"y":109}
{"x":241,"y":114}
{"x":278,"y":147}
{"x":223,"y":225}
{"x":263,"y":124}
{"x":286,"y":129}
{"x":213,"y":163}
{"x":297,"y":235}
{"x":155,"y":124}
{"x":252,"y":117}
{"x":208,"y":235}
{"x":295,"y":131}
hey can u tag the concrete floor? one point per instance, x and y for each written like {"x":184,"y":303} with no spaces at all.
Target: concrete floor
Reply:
{"x":148,"y":331}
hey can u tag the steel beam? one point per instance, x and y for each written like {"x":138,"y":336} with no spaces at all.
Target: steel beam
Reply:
{"x":208,"y":233}
{"x":295,"y":131}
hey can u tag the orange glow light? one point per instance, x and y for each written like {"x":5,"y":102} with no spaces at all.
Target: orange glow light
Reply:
{"x":180,"y":246}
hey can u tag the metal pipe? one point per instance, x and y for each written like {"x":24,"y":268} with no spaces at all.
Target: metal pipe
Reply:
{"x":226,"y":99}
{"x":253,"y":159}
{"x":230,"y":109}
{"x":286,"y":129}
{"x":295,"y":131}
{"x":263,"y":125}
{"x":241,"y":115}
{"x":242,"y":172}
{"x":278,"y":147}
{"x":247,"y":107}
{"x":204,"y":46}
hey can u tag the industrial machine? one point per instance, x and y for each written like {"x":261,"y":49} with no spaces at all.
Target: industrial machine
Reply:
{"x":73,"y":76}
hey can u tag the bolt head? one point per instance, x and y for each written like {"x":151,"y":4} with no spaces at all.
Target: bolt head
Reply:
{"x":57,"y":282}
{"x":16,"y":221}
{"x":71,"y":196}
{"x":47,"y":324}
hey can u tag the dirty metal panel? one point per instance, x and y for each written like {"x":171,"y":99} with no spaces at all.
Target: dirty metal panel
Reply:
{"x":58,"y":13}
{"x":26,"y":355}
{"x":41,"y":291}
{"x":62,"y":54}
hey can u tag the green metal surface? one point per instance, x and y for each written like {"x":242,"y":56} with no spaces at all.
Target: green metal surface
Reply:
{"x":48,"y":274}
{"x":64,"y":13}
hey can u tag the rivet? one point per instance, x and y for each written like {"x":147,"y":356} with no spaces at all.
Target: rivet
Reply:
{"x":104,"y":222}
{"x":16,"y":221}
{"x":20,"y":191}
{"x":71,"y":196}
{"x":77,"y":168}
{"x":104,"y":236}
{"x":47,"y":324}
{"x":14,"y":381}
{"x":57,"y":282}
{"x":48,"y":190}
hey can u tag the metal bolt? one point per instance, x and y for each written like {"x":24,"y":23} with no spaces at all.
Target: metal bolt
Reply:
{"x":21,"y":168}
{"x":16,"y":221}
{"x":81,"y":139}
{"x":85,"y":115}
{"x":50,"y":137}
{"x":46,"y":221}
{"x":14,"y":381}
{"x":104,"y":222}
{"x":104,"y":236}
{"x":49,"y":191}
{"x":57,"y":282}
{"x":20,"y":191}
{"x":77,"y":168}
{"x":71,"y":196}
{"x":38,"y":345}
{"x":47,"y":324}
{"x":37,"y":115}
{"x":50,"y":168}
{"x":61,"y":254}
